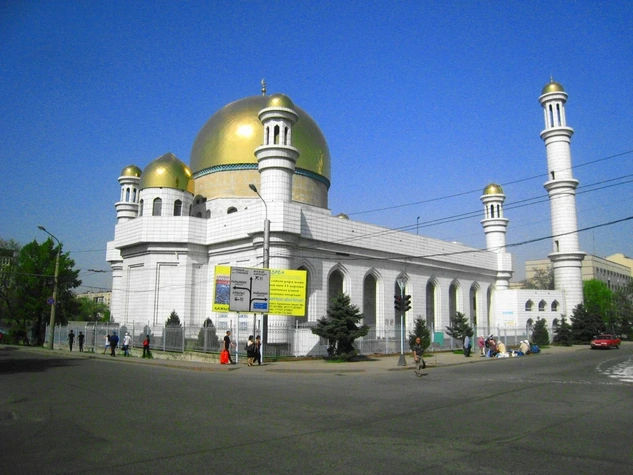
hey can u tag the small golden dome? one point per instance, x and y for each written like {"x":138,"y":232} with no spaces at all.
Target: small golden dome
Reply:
{"x":167,"y":171}
{"x":342,"y":216}
{"x":280,"y":100}
{"x":131,"y":170}
{"x":552,"y":86}
{"x":229,"y":138}
{"x":493,"y":189}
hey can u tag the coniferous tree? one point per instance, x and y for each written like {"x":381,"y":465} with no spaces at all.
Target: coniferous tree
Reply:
{"x":459,"y":327}
{"x":585,"y":324}
{"x":562,"y":334}
{"x":540,"y":335}
{"x":212,"y":341}
{"x":420,"y":330}
{"x":173,"y":320}
{"x":340,"y":326}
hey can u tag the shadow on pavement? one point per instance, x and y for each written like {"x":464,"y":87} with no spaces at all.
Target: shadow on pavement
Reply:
{"x":35,"y":364}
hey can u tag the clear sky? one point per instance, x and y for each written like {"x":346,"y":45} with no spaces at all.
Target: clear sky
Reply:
{"x":418,"y":100}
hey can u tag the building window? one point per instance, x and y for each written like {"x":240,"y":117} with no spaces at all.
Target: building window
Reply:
{"x":542,"y":305}
{"x":140,"y":208}
{"x":554,"y":306}
{"x":232,"y":209}
{"x":177,"y":208}
{"x":529,"y":306}
{"x":158,"y":207}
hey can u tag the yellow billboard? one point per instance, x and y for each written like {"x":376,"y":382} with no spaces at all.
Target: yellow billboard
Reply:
{"x":287,"y":291}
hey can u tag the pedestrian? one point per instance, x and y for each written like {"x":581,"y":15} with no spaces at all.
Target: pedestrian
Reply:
{"x":418,"y":351}
{"x":228,"y":344}
{"x":258,"y":350}
{"x":80,"y":340}
{"x":106,"y":343}
{"x":127,"y":340}
{"x":71,"y":339}
{"x":467,"y":346}
{"x":250,"y":350}
{"x":146,"y":352}
{"x":114,"y":341}
{"x":481,"y":343}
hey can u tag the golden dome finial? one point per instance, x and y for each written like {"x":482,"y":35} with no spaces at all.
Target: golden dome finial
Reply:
{"x":263,"y":82}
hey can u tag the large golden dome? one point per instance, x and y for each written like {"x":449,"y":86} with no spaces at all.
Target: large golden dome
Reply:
{"x":167,"y":171}
{"x":229,"y":138}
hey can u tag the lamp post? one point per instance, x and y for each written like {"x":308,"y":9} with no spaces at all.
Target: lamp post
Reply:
{"x":54,"y":302}
{"x":266,"y":263}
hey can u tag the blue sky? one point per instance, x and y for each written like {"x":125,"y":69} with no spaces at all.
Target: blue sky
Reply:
{"x":418,"y":101}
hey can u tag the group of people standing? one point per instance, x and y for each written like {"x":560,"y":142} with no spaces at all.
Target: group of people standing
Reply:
{"x":253,"y":349}
{"x":111,"y":342}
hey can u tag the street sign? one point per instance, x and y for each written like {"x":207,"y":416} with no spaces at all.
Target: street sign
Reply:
{"x":250,"y":290}
{"x":50,"y":301}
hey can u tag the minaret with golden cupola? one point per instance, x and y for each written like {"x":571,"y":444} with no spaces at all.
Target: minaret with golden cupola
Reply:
{"x":495,"y":227}
{"x":277,"y":158}
{"x":566,"y":256}
{"x":127,"y":206}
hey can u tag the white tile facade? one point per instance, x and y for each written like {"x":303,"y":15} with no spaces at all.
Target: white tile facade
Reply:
{"x":165,"y":263}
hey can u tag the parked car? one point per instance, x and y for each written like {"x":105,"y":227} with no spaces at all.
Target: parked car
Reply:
{"x":605,"y":341}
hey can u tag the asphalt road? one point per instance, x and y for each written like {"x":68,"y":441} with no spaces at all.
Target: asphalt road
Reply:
{"x":569,"y":413}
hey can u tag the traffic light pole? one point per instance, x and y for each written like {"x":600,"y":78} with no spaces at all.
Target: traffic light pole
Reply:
{"x":399,"y":306}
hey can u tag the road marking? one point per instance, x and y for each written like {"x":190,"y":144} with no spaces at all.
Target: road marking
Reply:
{"x":621,"y":372}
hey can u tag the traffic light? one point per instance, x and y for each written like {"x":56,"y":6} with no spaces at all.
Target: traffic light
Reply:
{"x":406,"y":304}
{"x":397,"y":303}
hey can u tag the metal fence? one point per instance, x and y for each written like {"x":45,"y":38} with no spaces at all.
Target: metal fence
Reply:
{"x":283,"y":340}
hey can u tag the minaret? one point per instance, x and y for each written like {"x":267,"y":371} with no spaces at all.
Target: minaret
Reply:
{"x":127,"y":206}
{"x":276,"y":158}
{"x":561,"y":186}
{"x":495,"y":227}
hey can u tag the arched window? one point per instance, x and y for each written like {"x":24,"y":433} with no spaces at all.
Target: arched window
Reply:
{"x":528,"y":326}
{"x":542,"y":305}
{"x":177,"y":208}
{"x":276,"y":132}
{"x":134,"y":195}
{"x":555,"y":306}
{"x":529,"y":306}
{"x":198,"y":214}
{"x":334,"y":285}
{"x":232,"y":209}
{"x":157,"y":207}
{"x":127,"y":194}
{"x":140,"y":208}
{"x":208,"y":213}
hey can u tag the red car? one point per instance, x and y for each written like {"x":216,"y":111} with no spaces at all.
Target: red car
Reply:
{"x":605,"y":341}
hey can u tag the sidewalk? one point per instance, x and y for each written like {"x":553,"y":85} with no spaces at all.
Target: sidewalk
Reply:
{"x":373,"y":364}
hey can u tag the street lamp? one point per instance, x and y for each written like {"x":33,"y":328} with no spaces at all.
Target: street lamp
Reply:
{"x":266,"y":229}
{"x":266,"y":263}
{"x":54,"y":302}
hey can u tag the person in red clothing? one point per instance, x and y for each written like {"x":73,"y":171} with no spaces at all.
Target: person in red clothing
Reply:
{"x":146,"y":352}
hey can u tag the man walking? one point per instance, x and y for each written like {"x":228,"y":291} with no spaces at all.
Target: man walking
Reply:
{"x":80,"y":339}
{"x":418,"y":351}
{"x":228,"y":344}
{"x":71,"y":339}
{"x":114,"y":341}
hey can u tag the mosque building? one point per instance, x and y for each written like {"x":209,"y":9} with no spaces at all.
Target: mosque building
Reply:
{"x":262,"y":162}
